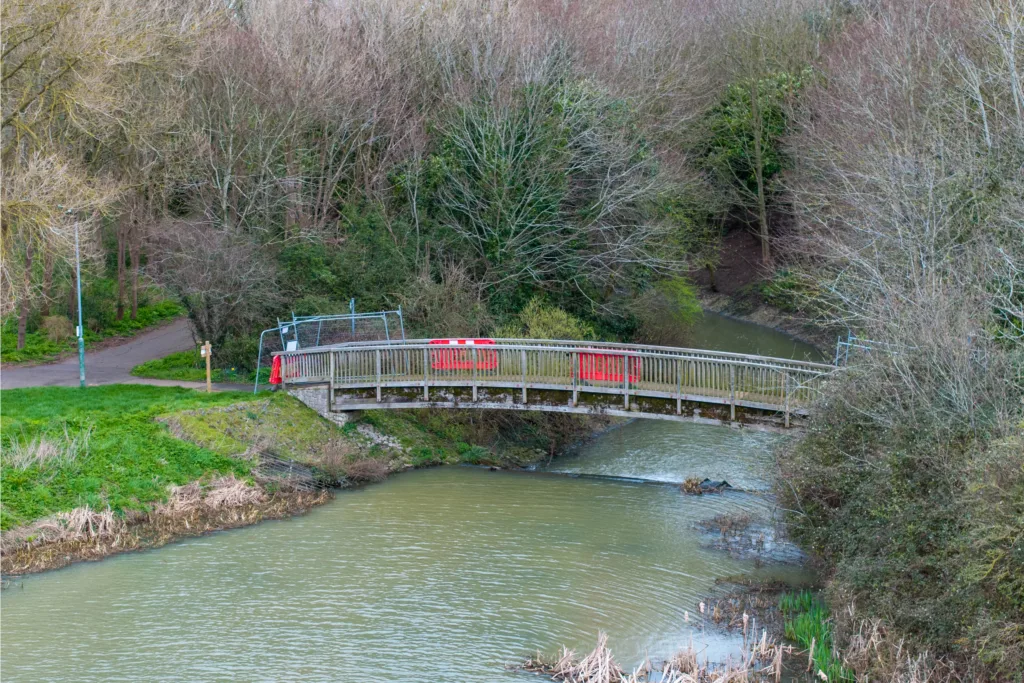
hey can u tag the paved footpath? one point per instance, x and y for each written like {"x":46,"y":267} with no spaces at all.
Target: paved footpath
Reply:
{"x":113,"y":365}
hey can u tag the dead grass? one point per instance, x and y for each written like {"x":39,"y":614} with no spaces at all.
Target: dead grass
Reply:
{"x":190,"y":510}
{"x":225,"y":492}
{"x":44,"y":451}
{"x":873,"y":650}
{"x":80,"y":524}
{"x":596,"y":667}
{"x":367,"y":470}
{"x":761,"y":660}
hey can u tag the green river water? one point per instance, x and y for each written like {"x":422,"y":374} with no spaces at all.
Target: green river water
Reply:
{"x":445,"y":574}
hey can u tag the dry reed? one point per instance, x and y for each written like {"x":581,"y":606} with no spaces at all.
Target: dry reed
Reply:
{"x":760,"y":661}
{"x":46,"y":451}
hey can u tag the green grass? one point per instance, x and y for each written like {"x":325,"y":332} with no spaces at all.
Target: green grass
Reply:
{"x":131,"y":458}
{"x":142,"y":439}
{"x":281,"y":422}
{"x":189,"y":366}
{"x":38,"y":347}
{"x":807,"y":622}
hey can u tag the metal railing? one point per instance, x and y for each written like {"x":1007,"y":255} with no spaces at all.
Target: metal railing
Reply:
{"x":627,"y":370}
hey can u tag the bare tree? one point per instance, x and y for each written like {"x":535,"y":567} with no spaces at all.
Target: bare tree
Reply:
{"x":223,"y":278}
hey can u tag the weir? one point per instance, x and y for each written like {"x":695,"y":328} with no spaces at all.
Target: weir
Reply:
{"x":626,"y":380}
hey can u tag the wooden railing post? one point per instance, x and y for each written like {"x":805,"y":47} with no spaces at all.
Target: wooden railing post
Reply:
{"x":785,"y":384}
{"x":732,"y":393}
{"x":573,"y":364}
{"x":679,"y":386}
{"x":426,"y":376}
{"x":625,"y":379}
{"x":474,"y":374}
{"x":378,"y":375}
{"x":330,"y":383}
{"x":523,"y":356}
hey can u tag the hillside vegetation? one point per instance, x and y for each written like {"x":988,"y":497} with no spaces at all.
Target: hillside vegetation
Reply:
{"x":494,"y":166}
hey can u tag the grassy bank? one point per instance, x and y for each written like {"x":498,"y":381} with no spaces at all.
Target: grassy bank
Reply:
{"x":141,"y":464}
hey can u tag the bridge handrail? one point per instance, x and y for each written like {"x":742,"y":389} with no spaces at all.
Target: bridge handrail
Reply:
{"x":816,"y":372}
{"x":544,"y":344}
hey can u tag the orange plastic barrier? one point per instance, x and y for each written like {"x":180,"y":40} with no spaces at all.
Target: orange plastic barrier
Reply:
{"x":604,"y":367}
{"x":458,"y":354}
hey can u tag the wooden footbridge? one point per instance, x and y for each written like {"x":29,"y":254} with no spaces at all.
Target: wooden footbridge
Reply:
{"x":558,"y":376}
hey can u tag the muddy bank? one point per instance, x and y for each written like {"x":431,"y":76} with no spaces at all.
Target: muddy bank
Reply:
{"x":192,"y":510}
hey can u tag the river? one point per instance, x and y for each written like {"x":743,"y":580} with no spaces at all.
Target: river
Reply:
{"x":443,"y":574}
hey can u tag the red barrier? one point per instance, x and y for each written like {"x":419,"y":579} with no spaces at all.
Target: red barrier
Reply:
{"x":458,"y":354}
{"x":275,"y":370}
{"x":605,"y":367}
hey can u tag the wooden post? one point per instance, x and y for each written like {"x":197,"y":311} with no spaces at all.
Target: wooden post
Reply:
{"x":330,"y":384}
{"x":732,"y":393}
{"x":785,"y":382}
{"x":378,"y":375}
{"x":474,"y":374}
{"x":679,"y":386}
{"x":625,"y":378}
{"x":207,"y":351}
{"x":426,"y":376}
{"x":524,"y":375}
{"x":574,"y":363}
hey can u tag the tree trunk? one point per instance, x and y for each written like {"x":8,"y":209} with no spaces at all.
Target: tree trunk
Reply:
{"x":762,"y":202}
{"x":711,"y":277}
{"x":136,"y":249}
{"x":47,"y":281}
{"x":293,"y":189}
{"x":122,"y":234}
{"x":23,"y":312}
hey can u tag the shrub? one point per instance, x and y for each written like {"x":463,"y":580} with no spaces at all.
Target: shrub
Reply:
{"x":367,"y":470}
{"x":666,"y":311}
{"x":540,"y":320}
{"x":57,"y":328}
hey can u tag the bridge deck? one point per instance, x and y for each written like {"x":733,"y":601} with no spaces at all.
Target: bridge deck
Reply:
{"x":556,"y":375}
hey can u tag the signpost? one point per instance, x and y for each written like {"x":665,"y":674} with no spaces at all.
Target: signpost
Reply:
{"x":206,"y":351}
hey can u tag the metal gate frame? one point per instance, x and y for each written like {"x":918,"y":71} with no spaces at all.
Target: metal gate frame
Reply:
{"x":285,"y":327}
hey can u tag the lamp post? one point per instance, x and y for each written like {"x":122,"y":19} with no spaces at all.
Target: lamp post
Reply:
{"x":81,"y":330}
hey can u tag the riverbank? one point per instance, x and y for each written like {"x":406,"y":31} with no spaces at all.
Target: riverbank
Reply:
{"x":192,"y":510}
{"x":94,"y":472}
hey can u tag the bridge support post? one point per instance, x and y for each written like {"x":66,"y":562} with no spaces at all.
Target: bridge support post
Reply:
{"x":474,"y":374}
{"x":523,"y":358}
{"x":426,"y":377}
{"x":732,"y":393}
{"x":330,"y":384}
{"x":378,"y":375}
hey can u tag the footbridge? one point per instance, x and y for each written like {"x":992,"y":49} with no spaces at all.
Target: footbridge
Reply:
{"x":557,"y":376}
